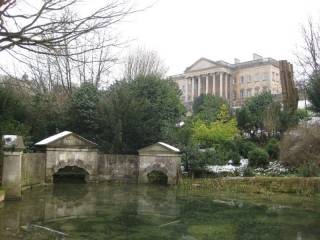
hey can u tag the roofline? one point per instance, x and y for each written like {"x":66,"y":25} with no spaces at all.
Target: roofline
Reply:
{"x":67,"y":134}
{"x":165,"y":145}
{"x":202,"y":58}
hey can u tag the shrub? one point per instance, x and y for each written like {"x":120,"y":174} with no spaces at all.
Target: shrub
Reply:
{"x":309,"y":169}
{"x":299,"y":149}
{"x":273,"y":149}
{"x":248,"y":172}
{"x":302,"y":114}
{"x":231,"y":151}
{"x":258,"y":158}
{"x":245,"y":148}
{"x":235,"y":157}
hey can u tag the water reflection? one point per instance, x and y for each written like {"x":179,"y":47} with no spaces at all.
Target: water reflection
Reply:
{"x":142,"y":212}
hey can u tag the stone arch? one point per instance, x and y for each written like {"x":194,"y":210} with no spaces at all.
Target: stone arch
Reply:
{"x":86,"y":160}
{"x":156,"y":168}
{"x":72,"y":163}
{"x":73,"y":174}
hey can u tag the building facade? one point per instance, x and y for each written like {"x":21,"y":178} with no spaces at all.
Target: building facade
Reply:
{"x":234,"y":82}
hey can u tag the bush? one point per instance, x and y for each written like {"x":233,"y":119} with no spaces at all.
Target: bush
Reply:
{"x":245,"y":148}
{"x":248,"y":172}
{"x":309,"y":170}
{"x":231,"y":151}
{"x":258,"y":158}
{"x":302,"y":114}
{"x":273,"y":149}
{"x":299,"y":149}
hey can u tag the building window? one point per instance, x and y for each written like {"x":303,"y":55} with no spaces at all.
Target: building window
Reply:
{"x":248,"y":77}
{"x":265,"y":89}
{"x":242,"y":79}
{"x":265,"y":76}
{"x":248,"y":92}
{"x":241,"y":93}
{"x":234,"y":95}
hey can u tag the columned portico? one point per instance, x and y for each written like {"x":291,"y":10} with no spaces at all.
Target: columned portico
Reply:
{"x":215,"y":83}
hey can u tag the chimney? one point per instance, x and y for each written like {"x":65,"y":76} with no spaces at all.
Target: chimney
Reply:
{"x":257,"y":57}
{"x":236,"y":60}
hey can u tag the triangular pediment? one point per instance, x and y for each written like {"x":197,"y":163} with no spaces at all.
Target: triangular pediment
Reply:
{"x":66,"y":140}
{"x":159,"y":147}
{"x":202,"y":63}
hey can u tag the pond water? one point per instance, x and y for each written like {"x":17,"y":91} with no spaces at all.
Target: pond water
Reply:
{"x":102,"y":211}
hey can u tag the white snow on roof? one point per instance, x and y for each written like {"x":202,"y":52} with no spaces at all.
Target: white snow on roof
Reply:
{"x":169,"y":147}
{"x":53,"y":138}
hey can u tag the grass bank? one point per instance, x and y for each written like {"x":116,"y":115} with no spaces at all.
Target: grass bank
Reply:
{"x":259,"y":185}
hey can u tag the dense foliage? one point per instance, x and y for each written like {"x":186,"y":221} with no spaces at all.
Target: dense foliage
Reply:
{"x":207,"y":107}
{"x":313,"y":91}
{"x":127,"y":116}
{"x":258,"y":157}
{"x":137,"y":113}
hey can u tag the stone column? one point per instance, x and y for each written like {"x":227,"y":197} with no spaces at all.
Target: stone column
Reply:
{"x":192,"y":89}
{"x":207,"y":84}
{"x":199,"y":85}
{"x":226,"y":85}
{"x":213,"y":84}
{"x":221,"y":85}
{"x":12,"y":166}
{"x":187,"y":90}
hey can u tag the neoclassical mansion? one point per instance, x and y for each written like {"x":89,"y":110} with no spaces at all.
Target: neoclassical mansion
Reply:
{"x":234,"y":82}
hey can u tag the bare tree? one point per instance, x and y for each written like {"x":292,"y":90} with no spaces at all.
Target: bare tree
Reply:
{"x":47,"y":26}
{"x":63,"y":73}
{"x":309,"y":54}
{"x":143,"y":62}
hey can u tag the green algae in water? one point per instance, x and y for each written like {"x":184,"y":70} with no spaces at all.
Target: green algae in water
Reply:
{"x":155,"y":212}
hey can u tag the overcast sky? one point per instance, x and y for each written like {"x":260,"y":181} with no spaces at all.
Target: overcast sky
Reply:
{"x":182,"y":31}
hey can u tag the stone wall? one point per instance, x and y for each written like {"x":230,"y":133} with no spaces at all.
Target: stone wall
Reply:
{"x":169,"y":165}
{"x":33,"y":169}
{"x":123,"y":168}
{"x":58,"y":158}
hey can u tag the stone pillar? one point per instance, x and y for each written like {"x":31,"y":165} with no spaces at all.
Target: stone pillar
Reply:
{"x":207,"y":84}
{"x":213,"y":84}
{"x":199,"y":85}
{"x":192,"y":89}
{"x":12,"y":163}
{"x":187,"y":90}
{"x":226,"y":85}
{"x":221,"y":85}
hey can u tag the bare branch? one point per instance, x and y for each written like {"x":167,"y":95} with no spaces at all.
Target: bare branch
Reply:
{"x":48,"y":28}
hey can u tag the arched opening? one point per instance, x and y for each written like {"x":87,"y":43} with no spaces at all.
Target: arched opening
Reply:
{"x":70,"y":174}
{"x":157,"y":177}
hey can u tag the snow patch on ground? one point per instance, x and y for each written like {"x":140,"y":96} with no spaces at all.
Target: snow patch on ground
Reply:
{"x":229,"y":168}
